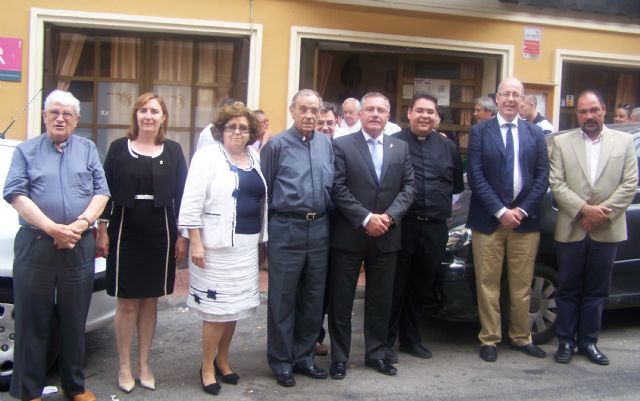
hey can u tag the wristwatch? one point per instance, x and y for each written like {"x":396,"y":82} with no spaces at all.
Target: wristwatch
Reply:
{"x":83,"y":217}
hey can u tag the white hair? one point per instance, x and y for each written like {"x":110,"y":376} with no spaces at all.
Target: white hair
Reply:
{"x":63,"y":98}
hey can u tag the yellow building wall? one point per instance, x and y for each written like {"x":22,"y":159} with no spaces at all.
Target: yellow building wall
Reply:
{"x":277,"y":17}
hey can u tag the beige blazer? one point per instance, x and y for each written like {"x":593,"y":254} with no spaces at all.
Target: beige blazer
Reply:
{"x":614,"y":187}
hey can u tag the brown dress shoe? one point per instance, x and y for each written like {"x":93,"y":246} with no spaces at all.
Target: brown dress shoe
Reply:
{"x":86,"y":396}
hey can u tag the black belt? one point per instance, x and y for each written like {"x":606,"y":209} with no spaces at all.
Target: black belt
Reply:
{"x":43,"y":234}
{"x":307,"y":216}
{"x":425,"y":219}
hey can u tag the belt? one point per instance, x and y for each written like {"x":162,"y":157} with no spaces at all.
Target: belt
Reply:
{"x":143,"y":197}
{"x":42,"y":234}
{"x":425,"y":219}
{"x":307,"y":216}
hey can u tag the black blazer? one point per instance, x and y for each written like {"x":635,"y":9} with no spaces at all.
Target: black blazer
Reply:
{"x":356,"y":191}
{"x":169,"y":173}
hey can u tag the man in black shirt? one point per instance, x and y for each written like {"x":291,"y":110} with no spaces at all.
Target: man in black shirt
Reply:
{"x":438,"y":174}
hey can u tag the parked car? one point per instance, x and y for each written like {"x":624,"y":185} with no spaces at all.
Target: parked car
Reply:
{"x":454,"y":295}
{"x":101,"y":311}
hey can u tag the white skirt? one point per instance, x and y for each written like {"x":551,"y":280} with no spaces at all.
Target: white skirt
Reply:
{"x":227,"y":289}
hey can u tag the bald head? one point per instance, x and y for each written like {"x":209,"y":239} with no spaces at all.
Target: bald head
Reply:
{"x":509,"y":98}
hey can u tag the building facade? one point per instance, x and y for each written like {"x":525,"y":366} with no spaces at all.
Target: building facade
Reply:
{"x":197,"y":53}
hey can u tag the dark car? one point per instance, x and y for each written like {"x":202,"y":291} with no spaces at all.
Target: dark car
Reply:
{"x":454,"y":295}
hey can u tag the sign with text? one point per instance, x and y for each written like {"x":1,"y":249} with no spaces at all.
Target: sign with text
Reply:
{"x":531,"y":43}
{"x":10,"y":59}
{"x":440,"y":88}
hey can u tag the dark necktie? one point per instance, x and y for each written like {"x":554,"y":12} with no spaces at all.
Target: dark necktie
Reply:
{"x":507,"y":171}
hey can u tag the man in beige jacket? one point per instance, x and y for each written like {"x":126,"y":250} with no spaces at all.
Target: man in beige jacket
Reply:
{"x":593,"y":178}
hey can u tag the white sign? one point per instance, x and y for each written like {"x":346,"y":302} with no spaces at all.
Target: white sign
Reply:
{"x":440,"y":88}
{"x":531,"y":43}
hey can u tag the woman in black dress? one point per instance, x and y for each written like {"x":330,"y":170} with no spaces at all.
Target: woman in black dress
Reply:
{"x":146,"y":175}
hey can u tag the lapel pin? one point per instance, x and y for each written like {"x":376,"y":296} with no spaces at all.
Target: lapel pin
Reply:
{"x":391,"y":145}
{"x":161,"y":162}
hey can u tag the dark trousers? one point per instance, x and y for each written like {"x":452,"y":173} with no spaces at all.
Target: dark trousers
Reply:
{"x":343,"y":278}
{"x":584,"y":269}
{"x":47,"y":281}
{"x":297,"y":252}
{"x":423,"y":247}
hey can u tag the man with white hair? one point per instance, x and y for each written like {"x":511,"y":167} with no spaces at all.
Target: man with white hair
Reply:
{"x":57,"y":185}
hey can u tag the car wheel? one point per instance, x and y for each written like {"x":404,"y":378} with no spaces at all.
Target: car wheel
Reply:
{"x":7,"y":338}
{"x":543,"y":310}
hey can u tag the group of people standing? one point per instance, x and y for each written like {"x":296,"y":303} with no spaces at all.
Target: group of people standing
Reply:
{"x":327,"y":207}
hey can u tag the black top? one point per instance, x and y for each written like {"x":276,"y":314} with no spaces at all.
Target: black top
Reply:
{"x":249,"y":198}
{"x":437,"y":167}
{"x":168,"y":174}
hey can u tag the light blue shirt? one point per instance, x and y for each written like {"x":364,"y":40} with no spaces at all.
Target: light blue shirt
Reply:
{"x":60,"y":183}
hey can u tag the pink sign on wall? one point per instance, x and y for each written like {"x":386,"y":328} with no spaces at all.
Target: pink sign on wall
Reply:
{"x":10,"y":59}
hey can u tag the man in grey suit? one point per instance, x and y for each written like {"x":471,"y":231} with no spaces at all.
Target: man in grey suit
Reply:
{"x":372,"y":190}
{"x":594,"y":173}
{"x":298,"y":167}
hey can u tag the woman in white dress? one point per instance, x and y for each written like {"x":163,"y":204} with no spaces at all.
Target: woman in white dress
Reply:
{"x":224,"y":209}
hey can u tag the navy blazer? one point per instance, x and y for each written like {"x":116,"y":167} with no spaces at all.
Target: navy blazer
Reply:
{"x":356,"y":191}
{"x":485,"y":156}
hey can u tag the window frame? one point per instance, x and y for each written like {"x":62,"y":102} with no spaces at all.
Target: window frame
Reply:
{"x":124,"y":22}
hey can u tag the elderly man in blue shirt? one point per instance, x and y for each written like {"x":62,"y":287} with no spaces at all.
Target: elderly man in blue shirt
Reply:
{"x":298,"y":167}
{"x":57,"y":185}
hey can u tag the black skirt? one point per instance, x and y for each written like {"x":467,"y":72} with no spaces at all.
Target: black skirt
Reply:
{"x":141,"y":261}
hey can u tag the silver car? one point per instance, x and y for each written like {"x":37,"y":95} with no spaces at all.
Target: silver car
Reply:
{"x":101,"y":311}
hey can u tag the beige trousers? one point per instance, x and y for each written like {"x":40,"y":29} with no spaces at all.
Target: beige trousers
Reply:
{"x":488,"y":254}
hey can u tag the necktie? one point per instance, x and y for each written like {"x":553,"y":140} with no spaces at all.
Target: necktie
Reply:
{"x":377,"y":163}
{"x":507,"y":172}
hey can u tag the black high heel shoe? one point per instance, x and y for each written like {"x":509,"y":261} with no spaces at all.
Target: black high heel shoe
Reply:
{"x":213,"y":388}
{"x":231,"y":378}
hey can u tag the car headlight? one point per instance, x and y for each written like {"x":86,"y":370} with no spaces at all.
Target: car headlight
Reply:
{"x":459,"y":237}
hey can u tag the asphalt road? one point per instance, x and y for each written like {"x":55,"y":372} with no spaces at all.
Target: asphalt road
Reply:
{"x":454,"y":373}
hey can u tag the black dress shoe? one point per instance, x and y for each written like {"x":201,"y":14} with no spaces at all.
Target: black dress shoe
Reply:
{"x":390,"y":356}
{"x":231,"y":378}
{"x":314,"y":372}
{"x":530,"y":349}
{"x":564,"y":353}
{"x":285,"y":379}
{"x":416,"y":350}
{"x":488,"y":353}
{"x":213,"y":388}
{"x":338,"y":370}
{"x":593,"y":353}
{"x":381,"y":366}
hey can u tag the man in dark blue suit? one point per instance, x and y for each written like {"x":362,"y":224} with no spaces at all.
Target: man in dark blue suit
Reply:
{"x":508,"y":172}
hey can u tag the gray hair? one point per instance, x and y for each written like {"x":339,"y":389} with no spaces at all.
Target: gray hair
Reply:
{"x":635,"y":114}
{"x":377,"y":94}
{"x":531,"y":99}
{"x":353,"y":100}
{"x":487,"y":104}
{"x":63,"y":98}
{"x":304,"y":92}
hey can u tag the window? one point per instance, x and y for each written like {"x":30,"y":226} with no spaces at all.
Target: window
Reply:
{"x":107,"y":70}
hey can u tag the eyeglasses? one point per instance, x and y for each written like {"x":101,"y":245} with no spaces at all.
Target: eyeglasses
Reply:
{"x":232,"y":128}
{"x":313,"y":110}
{"x":67,"y":115}
{"x":514,"y":95}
